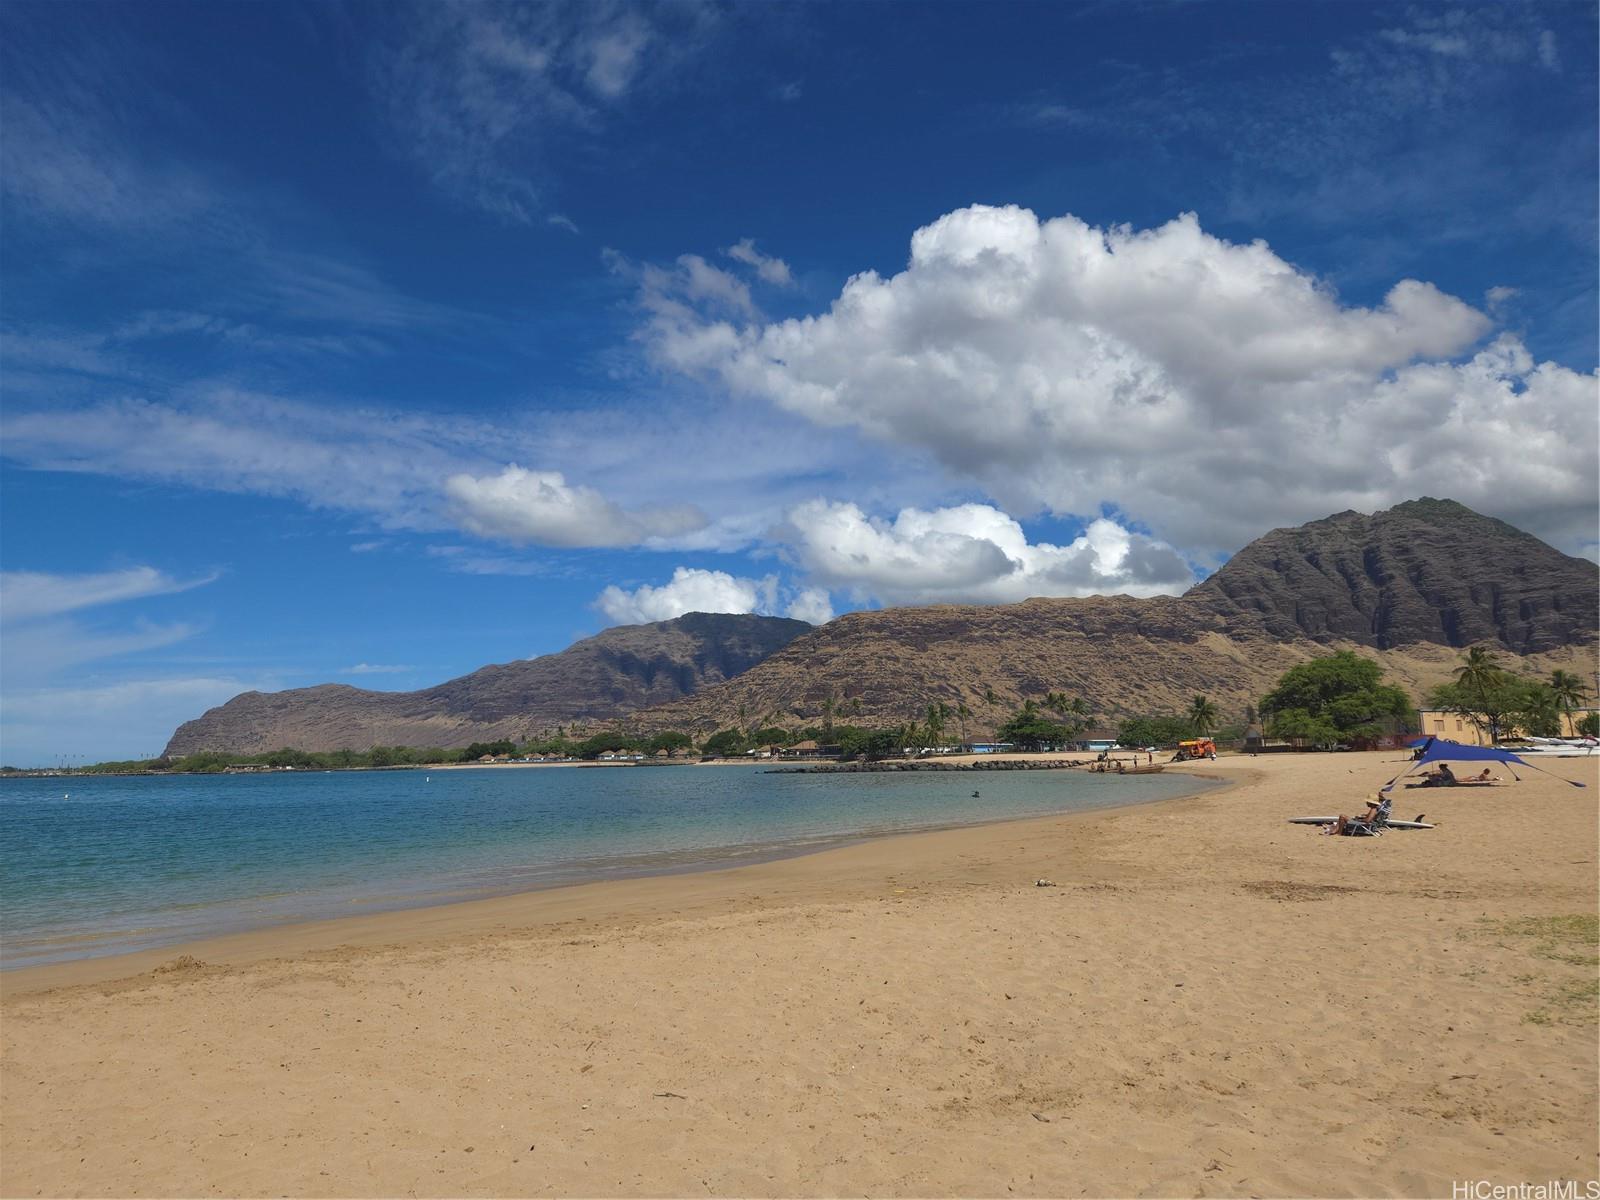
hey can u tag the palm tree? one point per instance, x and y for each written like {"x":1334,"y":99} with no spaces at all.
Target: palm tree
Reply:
{"x":1478,"y":679}
{"x":962,"y":713}
{"x":935,"y":723}
{"x":1480,"y":672}
{"x":1203,"y":716}
{"x":1079,"y":708}
{"x":1569,"y":693}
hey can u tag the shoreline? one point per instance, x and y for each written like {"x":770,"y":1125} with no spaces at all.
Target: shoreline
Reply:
{"x":963,"y":759}
{"x":466,"y":916}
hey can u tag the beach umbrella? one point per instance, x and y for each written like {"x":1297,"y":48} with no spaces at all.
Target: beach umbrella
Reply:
{"x":1440,"y":750}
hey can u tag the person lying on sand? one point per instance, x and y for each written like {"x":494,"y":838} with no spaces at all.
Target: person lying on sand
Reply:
{"x":1441,"y":776}
{"x":1444,"y":777}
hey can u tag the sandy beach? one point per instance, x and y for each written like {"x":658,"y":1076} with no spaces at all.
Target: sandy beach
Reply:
{"x":1208,"y":1001}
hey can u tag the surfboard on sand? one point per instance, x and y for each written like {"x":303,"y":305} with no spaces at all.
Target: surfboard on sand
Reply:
{"x":1386,"y":824}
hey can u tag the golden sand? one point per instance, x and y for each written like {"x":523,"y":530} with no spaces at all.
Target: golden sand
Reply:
{"x":1208,"y":1002}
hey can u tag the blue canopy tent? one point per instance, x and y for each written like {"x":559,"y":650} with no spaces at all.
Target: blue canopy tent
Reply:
{"x":1438,"y":749}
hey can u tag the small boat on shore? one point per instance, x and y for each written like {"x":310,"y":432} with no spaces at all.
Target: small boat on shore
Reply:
{"x":1559,"y":747}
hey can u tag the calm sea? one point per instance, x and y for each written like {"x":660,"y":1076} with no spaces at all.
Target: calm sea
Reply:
{"x":92,"y":866}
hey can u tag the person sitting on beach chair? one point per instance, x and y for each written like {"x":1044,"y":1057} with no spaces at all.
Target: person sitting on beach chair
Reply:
{"x":1370,"y":825}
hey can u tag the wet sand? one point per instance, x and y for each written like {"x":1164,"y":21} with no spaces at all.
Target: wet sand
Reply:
{"x":1208,"y":1002}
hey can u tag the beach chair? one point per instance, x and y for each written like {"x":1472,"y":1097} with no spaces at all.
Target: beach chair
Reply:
{"x":1374,"y":826}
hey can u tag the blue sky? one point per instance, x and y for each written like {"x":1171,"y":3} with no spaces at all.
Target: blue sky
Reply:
{"x":373,"y":343}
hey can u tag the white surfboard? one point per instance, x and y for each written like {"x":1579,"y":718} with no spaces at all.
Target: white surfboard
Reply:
{"x":1386,"y":824}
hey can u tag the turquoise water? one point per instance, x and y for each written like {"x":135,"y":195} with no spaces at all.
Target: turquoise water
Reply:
{"x":100,"y":865}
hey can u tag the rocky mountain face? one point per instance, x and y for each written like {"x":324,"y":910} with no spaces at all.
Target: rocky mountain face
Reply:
{"x":594,"y":681}
{"x":1409,"y":586}
{"x":1427,"y":571}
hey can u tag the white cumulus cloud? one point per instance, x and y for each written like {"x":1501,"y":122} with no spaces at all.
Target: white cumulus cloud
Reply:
{"x":973,"y":554}
{"x":812,"y":605}
{"x":519,"y":505}
{"x":1206,"y":389}
{"x":691,"y":589}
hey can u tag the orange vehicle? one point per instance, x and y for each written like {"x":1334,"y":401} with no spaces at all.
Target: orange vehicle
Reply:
{"x":1196,"y":748}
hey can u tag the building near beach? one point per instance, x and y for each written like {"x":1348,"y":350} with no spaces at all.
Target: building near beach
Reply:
{"x":1437,"y":722}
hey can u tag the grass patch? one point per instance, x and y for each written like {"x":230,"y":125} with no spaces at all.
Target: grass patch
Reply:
{"x":1573,"y":938}
{"x":1573,"y":1003}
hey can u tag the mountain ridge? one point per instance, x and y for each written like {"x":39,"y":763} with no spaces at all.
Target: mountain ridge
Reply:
{"x":1410,"y":586}
{"x":597,"y":679}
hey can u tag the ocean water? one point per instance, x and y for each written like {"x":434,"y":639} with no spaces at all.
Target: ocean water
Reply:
{"x":101,"y":865}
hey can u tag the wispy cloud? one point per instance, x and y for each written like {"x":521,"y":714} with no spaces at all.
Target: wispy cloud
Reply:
{"x":376,"y":669}
{"x":59,"y":162}
{"x":27,"y":595}
{"x":39,"y":650}
{"x":771,"y":270}
{"x":631,"y":474}
{"x":327,"y":289}
{"x":385,"y":464}
{"x":467,"y":561}
{"x":43,"y":639}
{"x":96,"y":180}
{"x":1478,"y":35}
{"x":474,"y":95}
